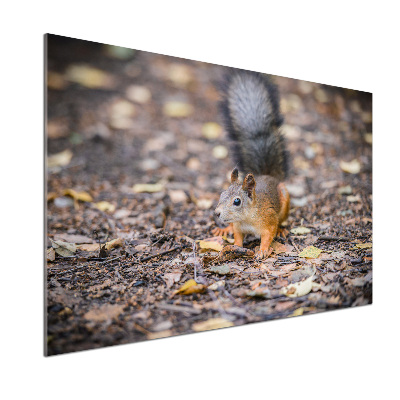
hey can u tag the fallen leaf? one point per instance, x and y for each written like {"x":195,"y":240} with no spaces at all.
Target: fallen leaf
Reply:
{"x":177,"y":109}
{"x":190,"y":287}
{"x":345,"y":190}
{"x":177,"y":196}
{"x":310,"y":252}
{"x":148,"y":187}
{"x":51,"y":255}
{"x":138,"y":94}
{"x":297,"y":312}
{"x":51,"y":196}
{"x":288,"y":267}
{"x":301,"y":230}
{"x":211,"y":130}
{"x":172,"y":277}
{"x":221,"y":269}
{"x":368,"y":138}
{"x":279,"y":248}
{"x":180,"y":74}
{"x":353,"y":199}
{"x":220,"y":152}
{"x":364,"y":245}
{"x":352,"y":167}
{"x":113,"y":243}
{"x":105,"y":206}
{"x":213,"y":323}
{"x":299,"y":289}
{"x":89,"y":77}
{"x":60,"y":159}
{"x":215,"y":243}
{"x":64,"y":249}
{"x":121,"y":113}
{"x":81,"y":196}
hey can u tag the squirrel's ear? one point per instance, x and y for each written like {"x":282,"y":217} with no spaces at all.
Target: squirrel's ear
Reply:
{"x":234,"y":175}
{"x":249,"y":185}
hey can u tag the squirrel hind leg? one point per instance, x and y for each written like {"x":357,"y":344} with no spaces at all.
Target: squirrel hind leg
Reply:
{"x":282,"y":232}
{"x":222,"y":231}
{"x":284,"y":199}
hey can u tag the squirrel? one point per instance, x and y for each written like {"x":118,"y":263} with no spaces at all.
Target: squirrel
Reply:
{"x":260,"y":203}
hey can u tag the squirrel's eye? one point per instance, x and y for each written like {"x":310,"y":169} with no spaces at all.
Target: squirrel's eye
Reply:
{"x":236,"y":202}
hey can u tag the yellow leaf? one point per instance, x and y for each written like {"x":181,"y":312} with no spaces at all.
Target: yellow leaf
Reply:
{"x":105,"y":206}
{"x":310,"y":252}
{"x":352,"y":167}
{"x":81,"y":196}
{"x":190,"y":287}
{"x":298,"y":312}
{"x":215,"y":243}
{"x":211,"y":130}
{"x":353,"y":199}
{"x":364,"y":245}
{"x":60,"y":159}
{"x":177,"y":109}
{"x":180,"y":74}
{"x":301,"y":230}
{"x":113,"y":243}
{"x":89,"y":77}
{"x":213,"y":323}
{"x":368,"y":138}
{"x":51,"y":196}
{"x":148,"y":187}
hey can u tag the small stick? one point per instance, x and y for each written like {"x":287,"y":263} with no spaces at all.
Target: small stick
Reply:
{"x":160,"y":254}
{"x":294,"y":244}
{"x":339,"y":239}
{"x":107,"y":261}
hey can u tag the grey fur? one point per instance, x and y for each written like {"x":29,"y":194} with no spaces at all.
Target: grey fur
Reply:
{"x":250,"y":107}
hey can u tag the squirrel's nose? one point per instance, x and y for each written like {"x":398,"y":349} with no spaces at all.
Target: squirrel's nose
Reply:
{"x":217,"y":213}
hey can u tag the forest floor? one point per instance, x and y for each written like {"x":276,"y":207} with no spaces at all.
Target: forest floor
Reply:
{"x":137,"y":160}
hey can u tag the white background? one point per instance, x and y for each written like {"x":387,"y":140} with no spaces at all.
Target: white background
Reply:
{"x":344,"y":354}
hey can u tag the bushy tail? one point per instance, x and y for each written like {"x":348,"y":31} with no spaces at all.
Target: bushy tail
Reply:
{"x":250,"y":108}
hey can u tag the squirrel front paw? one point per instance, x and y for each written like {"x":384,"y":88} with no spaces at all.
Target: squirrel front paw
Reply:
{"x":222,"y":231}
{"x":261,"y":254}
